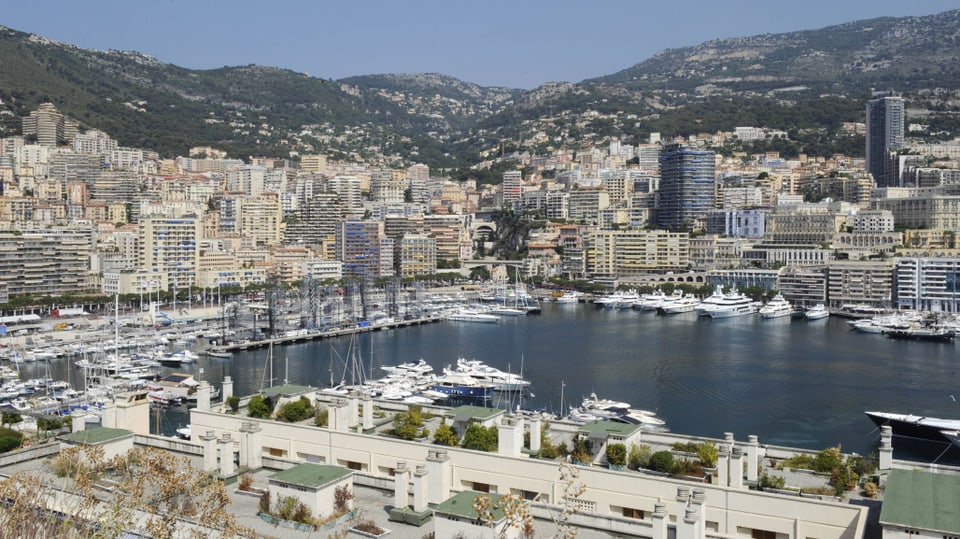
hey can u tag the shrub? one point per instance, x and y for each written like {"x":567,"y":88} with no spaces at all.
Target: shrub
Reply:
{"x":481,"y":438}
{"x":295,"y":411}
{"x":246,"y":482}
{"x":445,"y":435}
{"x":9,"y":418}
{"x":341,"y":499}
{"x":708,"y":453}
{"x":582,"y":450}
{"x":771,"y":481}
{"x":686,"y":447}
{"x":548,"y":452}
{"x":49,"y":423}
{"x":260,"y":406}
{"x":661,"y":461}
{"x":10,"y":439}
{"x":617,"y":454}
{"x":828,"y":460}
{"x":870,"y":489}
{"x":322,"y":417}
{"x":639,"y":456}
{"x":562,"y":449}
{"x":368,"y":526}
{"x":801,"y":462}
{"x":688,"y":467}
{"x":233,"y":402}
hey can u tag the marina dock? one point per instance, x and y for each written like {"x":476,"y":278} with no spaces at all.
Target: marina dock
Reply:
{"x":306,"y":336}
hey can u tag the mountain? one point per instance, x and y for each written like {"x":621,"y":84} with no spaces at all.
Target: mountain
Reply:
{"x":807,"y":83}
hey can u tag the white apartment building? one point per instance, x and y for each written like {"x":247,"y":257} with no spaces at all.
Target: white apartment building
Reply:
{"x":170,"y":245}
{"x":928,"y":284}
{"x":247,"y":179}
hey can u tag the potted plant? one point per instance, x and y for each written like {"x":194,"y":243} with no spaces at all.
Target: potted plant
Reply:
{"x":617,"y":456}
{"x":581,"y":453}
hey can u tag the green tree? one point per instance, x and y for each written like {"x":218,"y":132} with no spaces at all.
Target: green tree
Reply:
{"x":10,"y":418}
{"x":260,"y":406}
{"x":233,"y":402}
{"x":294,"y":411}
{"x":445,"y":435}
{"x":481,"y":438}
{"x":406,"y":425}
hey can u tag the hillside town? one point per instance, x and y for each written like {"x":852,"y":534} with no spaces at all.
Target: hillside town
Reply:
{"x":82,"y":214}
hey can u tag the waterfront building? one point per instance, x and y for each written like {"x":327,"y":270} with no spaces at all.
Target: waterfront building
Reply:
{"x":851,"y":282}
{"x":687,"y":181}
{"x":449,"y":233}
{"x":743,"y":278}
{"x":802,"y":285}
{"x":709,"y":251}
{"x":319,"y":269}
{"x":616,"y":254}
{"x":928,"y":284}
{"x":45,"y":261}
{"x":170,"y":245}
{"x":358,"y":246}
{"x":418,"y":255}
{"x":885,"y":121}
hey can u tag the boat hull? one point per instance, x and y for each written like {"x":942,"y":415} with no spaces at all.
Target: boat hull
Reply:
{"x":913,"y":426}
{"x":478,"y":392}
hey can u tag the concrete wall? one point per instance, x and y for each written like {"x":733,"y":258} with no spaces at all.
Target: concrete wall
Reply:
{"x":729,"y":511}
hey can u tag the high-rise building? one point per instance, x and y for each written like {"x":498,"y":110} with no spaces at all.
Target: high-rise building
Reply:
{"x":49,"y":126}
{"x":512,"y":186}
{"x":885,"y":120}
{"x":358,"y":247}
{"x":687,"y":178}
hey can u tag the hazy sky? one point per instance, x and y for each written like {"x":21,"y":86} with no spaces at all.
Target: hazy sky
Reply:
{"x":517,"y":43}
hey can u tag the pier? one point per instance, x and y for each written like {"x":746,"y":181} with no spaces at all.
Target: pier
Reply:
{"x":306,"y":336}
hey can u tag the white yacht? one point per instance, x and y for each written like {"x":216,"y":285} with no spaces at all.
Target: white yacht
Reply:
{"x":817,"y":312}
{"x":709,"y":302}
{"x":472,"y":316}
{"x":651,"y":301}
{"x":678,"y":305}
{"x":776,"y":308}
{"x":501,"y":380}
{"x":568,"y":298}
{"x":728,"y":305}
{"x":619,"y":299}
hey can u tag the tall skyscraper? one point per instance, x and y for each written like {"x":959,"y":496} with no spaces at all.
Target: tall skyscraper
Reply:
{"x":884,"y":133}
{"x":686,"y":186}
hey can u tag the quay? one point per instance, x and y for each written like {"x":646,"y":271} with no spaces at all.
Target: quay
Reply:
{"x":305,"y":336}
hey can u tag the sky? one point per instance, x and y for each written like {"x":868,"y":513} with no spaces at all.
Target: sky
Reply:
{"x":516,"y":43}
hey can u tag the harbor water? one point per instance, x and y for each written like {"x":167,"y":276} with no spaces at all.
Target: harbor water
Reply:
{"x":791,"y":382}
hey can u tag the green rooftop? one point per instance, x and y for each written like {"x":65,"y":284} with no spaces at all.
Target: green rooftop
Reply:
{"x":309,"y":475}
{"x":466,"y":412}
{"x":288,"y":390}
{"x":922,"y":500}
{"x":96,"y":435}
{"x":461,"y":505}
{"x":610,"y":427}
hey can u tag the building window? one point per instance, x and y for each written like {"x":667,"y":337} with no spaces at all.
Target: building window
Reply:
{"x":481,"y":487}
{"x":630,"y":512}
{"x":763,"y":534}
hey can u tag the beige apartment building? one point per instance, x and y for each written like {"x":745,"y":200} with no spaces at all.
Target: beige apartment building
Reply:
{"x":617,"y":254}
